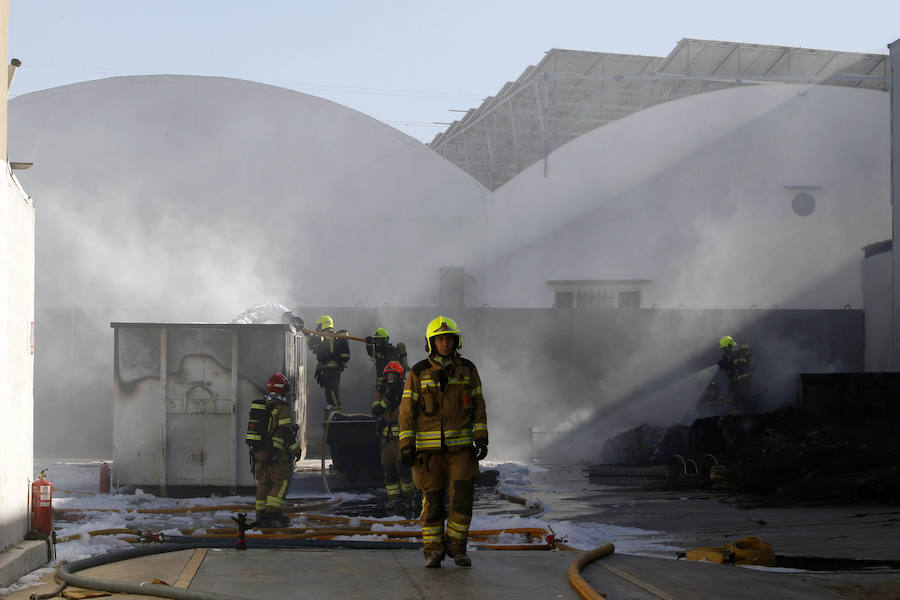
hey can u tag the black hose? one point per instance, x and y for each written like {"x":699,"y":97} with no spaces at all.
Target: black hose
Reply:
{"x":66,"y":572}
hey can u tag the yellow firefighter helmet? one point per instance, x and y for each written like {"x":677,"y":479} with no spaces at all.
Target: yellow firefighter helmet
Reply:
{"x":324,"y":322}
{"x":440,"y":326}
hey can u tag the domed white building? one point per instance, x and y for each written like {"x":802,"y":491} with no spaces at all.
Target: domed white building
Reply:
{"x":200,"y":196}
{"x":759,"y":195}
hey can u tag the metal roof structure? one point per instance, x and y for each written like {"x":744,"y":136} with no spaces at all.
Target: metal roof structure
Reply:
{"x":571,"y":92}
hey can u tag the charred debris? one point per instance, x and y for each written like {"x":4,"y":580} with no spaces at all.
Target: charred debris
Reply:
{"x":838,"y":442}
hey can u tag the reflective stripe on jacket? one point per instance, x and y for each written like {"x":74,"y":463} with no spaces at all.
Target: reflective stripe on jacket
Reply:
{"x":284,"y":438}
{"x":389,"y":415}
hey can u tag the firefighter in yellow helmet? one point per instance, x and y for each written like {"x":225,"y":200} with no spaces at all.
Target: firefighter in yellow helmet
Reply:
{"x":397,"y":476}
{"x":738,"y":364}
{"x":382,"y":351}
{"x":443,"y":435}
{"x":332,"y":354}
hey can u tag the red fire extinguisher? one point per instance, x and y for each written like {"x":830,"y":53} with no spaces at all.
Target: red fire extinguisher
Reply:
{"x":104,"y":479}
{"x":42,"y":504}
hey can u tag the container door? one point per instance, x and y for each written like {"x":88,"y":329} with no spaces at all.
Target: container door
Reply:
{"x":198,"y":423}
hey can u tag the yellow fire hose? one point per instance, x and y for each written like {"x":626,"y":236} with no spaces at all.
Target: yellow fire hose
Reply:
{"x":581,"y":586}
{"x":333,"y":334}
{"x":191,"y":509}
{"x":589,"y":593}
{"x":511,"y":498}
{"x":312,"y":532}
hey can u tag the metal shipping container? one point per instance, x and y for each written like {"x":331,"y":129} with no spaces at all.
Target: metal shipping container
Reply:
{"x":182,"y":394}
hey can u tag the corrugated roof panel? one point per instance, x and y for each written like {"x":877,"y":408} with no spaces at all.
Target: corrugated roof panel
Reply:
{"x":570,"y":92}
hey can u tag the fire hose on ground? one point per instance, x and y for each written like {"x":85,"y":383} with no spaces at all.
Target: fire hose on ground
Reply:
{"x":480,"y":538}
{"x":67,"y":572}
{"x":588,"y":593}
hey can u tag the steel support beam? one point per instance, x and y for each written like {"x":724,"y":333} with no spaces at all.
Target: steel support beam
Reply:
{"x":894,"y":75}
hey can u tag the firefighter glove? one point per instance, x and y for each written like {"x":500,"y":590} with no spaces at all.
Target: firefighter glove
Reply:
{"x":408,"y":456}
{"x":723,"y":363}
{"x":481,"y":449}
{"x":296,"y":455}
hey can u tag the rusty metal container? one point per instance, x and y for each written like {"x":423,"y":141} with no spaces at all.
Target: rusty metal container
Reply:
{"x":182,"y":393}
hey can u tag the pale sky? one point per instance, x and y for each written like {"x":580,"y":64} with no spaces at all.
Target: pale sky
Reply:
{"x":408,"y":63}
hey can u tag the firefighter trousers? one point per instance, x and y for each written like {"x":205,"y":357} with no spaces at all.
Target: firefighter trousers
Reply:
{"x":453,"y":473}
{"x":272,"y":482}
{"x":330,"y":380}
{"x":397,"y":476}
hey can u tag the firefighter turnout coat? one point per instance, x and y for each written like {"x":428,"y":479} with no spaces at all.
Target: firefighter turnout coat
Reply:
{"x":442,"y":410}
{"x":275,"y":459}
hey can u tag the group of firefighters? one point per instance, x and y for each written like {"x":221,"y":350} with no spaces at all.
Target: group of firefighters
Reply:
{"x":432,"y":426}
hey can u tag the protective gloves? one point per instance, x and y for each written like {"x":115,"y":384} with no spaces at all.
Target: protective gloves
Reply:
{"x":408,"y":456}
{"x":480,"y":449}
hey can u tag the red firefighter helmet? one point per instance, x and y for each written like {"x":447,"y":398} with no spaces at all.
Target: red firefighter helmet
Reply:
{"x":393,"y":367}
{"x":278,"y":384}
{"x":393,"y":371}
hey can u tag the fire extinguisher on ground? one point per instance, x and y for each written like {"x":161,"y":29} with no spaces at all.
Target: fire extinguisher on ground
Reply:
{"x":42,"y":504}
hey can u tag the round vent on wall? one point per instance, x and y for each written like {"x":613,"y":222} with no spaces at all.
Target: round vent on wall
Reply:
{"x":803,"y":204}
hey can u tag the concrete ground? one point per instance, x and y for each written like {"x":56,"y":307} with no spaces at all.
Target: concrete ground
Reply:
{"x":393,"y":574}
{"x":688,"y":517}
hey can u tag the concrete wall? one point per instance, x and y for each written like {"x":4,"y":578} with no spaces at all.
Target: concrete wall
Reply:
{"x":16,"y":333}
{"x":878,"y":297}
{"x":16,"y":356}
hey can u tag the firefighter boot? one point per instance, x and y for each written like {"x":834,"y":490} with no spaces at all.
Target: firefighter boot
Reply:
{"x":461,"y":559}
{"x":264,"y":518}
{"x":279,"y":520}
{"x":433,"y":559}
{"x":457,"y":553}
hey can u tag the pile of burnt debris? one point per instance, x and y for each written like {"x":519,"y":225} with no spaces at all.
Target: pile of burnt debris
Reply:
{"x":842,"y":445}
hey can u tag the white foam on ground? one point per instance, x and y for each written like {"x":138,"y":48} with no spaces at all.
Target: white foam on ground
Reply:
{"x":81,"y":478}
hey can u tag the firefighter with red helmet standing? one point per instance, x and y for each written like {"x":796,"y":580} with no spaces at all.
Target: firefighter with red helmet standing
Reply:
{"x":397,"y":476}
{"x":272,"y":437}
{"x":443,"y":435}
{"x":332,"y":354}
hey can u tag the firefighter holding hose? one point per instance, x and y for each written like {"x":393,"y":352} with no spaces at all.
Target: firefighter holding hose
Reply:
{"x":332,"y":354}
